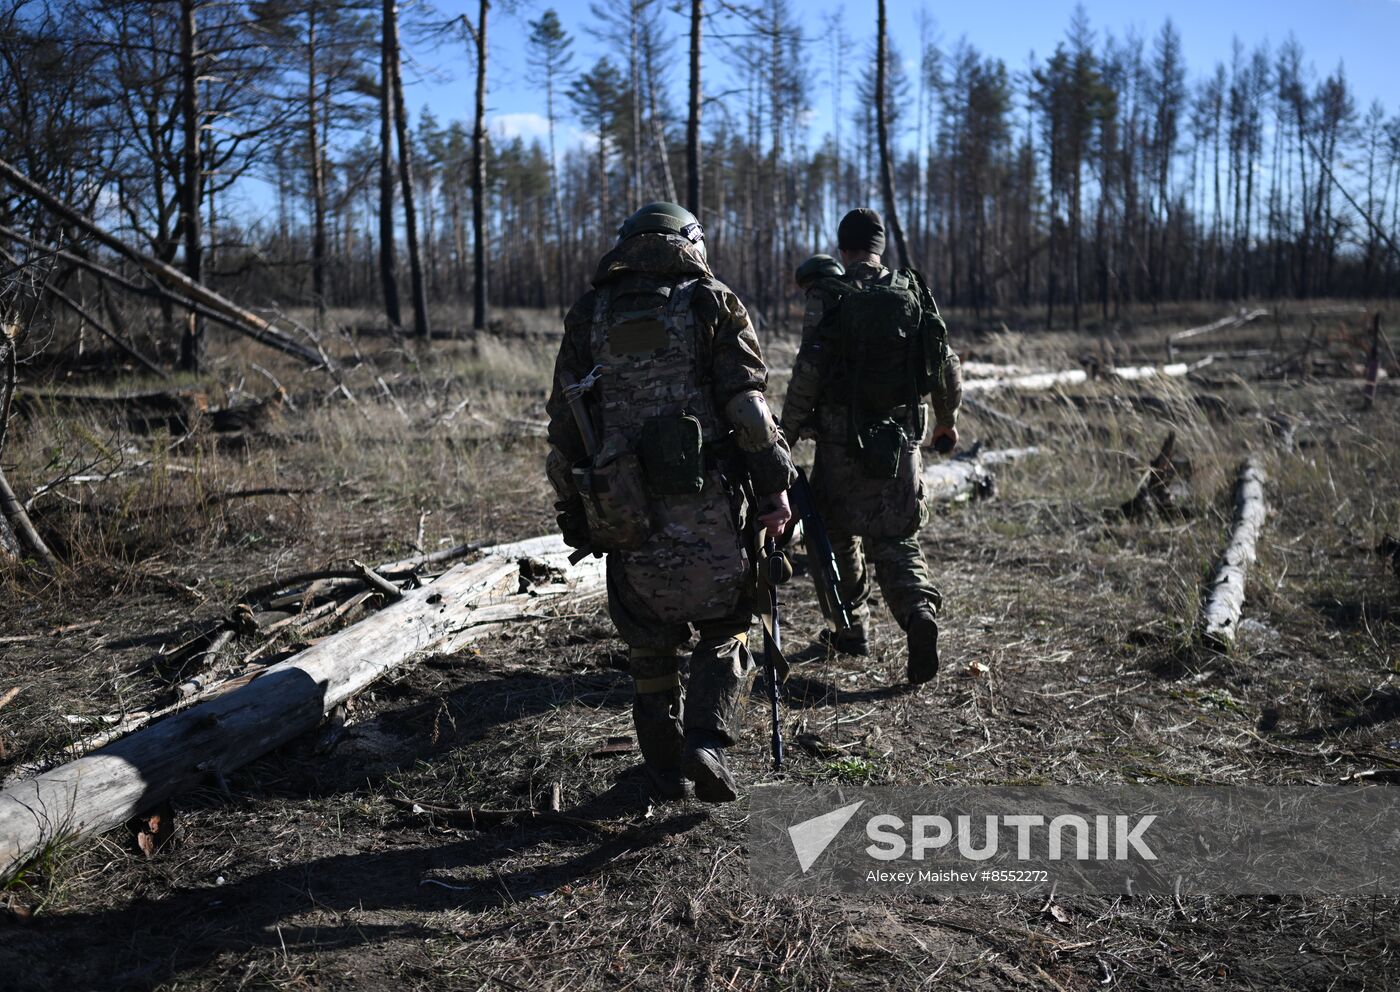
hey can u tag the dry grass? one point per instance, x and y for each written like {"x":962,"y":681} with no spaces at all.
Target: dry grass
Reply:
{"x":1079,"y":624}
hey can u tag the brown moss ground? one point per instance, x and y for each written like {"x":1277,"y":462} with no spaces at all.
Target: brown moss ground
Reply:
{"x":307,"y":877}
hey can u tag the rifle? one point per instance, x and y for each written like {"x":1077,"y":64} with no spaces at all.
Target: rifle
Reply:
{"x":573,"y":394}
{"x":775,"y":571}
{"x":826,"y":574}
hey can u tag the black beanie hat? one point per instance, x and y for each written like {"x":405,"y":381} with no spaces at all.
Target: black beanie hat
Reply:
{"x":861,"y":230}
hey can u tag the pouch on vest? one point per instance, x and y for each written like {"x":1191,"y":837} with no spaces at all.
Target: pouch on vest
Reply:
{"x":614,"y":500}
{"x":673,"y":460}
{"x":881,"y":445}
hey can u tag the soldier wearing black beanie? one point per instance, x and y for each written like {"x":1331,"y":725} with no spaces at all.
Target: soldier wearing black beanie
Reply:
{"x":857,"y":404}
{"x":861,"y":232}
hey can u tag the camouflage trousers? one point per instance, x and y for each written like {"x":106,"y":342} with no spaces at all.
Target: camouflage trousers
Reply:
{"x":876,"y":520}
{"x":900,"y":570}
{"x":664,"y":704}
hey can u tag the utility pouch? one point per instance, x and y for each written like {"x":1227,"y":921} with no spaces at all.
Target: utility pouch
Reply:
{"x":672,"y":455}
{"x":881,"y":444}
{"x":614,"y":501}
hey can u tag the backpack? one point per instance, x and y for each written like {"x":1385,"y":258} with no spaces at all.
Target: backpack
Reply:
{"x":893,"y":344}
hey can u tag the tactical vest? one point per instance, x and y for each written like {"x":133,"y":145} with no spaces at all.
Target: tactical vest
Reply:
{"x":655,"y":408}
{"x":654,"y":397}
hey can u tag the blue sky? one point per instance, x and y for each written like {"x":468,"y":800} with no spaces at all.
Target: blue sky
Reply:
{"x":1362,"y":33}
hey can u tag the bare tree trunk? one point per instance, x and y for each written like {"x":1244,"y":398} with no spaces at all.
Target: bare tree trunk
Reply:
{"x":634,"y":56}
{"x":479,"y":177}
{"x":10,"y":344}
{"x":692,"y":126}
{"x":192,"y":340}
{"x":663,"y":155}
{"x":883,"y":133}
{"x":318,"y":171}
{"x":388,"y":277}
{"x":415,"y":256}
{"x":556,"y":201}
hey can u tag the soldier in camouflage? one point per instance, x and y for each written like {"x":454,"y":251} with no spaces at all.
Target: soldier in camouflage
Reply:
{"x":671,"y":375}
{"x":874,"y":519}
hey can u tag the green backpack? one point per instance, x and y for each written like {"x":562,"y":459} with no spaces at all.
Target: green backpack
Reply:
{"x":893,"y":343}
{"x":892,"y":346}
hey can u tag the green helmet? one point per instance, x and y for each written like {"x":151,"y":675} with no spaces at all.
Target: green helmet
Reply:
{"x":662,"y":218}
{"x":817,"y":267}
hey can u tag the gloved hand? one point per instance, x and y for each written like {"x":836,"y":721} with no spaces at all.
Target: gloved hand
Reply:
{"x":795,"y":432}
{"x":572,"y":521}
{"x":944,"y":439}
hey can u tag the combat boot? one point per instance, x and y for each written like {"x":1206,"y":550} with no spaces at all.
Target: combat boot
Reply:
{"x":704,"y":765}
{"x":657,"y":704}
{"x":923,"y":645}
{"x":852,"y":641}
{"x":661,"y":745}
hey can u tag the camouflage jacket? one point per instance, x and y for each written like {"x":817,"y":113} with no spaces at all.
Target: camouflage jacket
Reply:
{"x":732,"y":362}
{"x":810,"y":372}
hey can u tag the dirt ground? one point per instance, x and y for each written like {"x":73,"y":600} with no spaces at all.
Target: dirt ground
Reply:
{"x":1068,"y":650}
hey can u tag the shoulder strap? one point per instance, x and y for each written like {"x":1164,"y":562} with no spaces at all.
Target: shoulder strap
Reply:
{"x":678,"y":308}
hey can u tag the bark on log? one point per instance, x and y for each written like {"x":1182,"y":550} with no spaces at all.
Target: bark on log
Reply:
{"x":1224,"y":601}
{"x":134,"y":774}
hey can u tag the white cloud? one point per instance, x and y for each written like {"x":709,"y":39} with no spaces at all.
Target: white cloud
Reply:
{"x":530,"y":127}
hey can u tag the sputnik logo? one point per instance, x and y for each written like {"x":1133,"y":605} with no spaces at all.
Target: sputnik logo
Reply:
{"x":811,"y":837}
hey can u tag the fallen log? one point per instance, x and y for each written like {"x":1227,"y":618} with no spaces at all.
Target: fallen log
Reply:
{"x":177,"y":410}
{"x":1224,"y":600}
{"x":1228,"y":322}
{"x":1030,"y":381}
{"x":1036,"y":381}
{"x":968,"y":475}
{"x":133,"y":775}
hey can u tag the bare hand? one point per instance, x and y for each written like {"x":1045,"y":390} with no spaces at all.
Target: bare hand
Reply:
{"x":944,"y":446}
{"x":774,"y":514}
